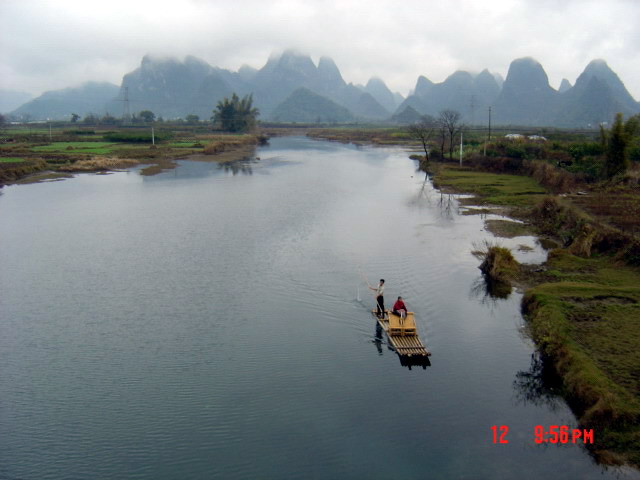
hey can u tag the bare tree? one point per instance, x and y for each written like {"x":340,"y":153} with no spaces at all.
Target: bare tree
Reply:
{"x":442,"y":136}
{"x":424,"y":130}
{"x":451,"y":124}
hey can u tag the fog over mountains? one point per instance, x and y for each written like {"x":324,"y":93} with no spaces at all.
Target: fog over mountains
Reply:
{"x":290,"y":87}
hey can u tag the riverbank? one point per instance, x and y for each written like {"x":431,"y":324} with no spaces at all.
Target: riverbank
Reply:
{"x":120,"y":335}
{"x":27,"y":159}
{"x":582,"y":305}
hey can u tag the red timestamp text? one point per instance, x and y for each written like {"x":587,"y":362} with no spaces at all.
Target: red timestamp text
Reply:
{"x":500,"y":433}
{"x":553,"y":434}
{"x":562,"y":434}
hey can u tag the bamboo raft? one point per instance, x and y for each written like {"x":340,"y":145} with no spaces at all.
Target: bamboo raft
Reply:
{"x":403,"y":335}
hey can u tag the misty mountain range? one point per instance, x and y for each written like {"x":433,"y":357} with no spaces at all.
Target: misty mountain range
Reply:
{"x":292,"y":88}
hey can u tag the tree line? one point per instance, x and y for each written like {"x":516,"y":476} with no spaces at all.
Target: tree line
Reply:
{"x":233,"y":114}
{"x":605,"y":158}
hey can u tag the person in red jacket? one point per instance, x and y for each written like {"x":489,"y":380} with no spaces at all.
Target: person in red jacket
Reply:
{"x":399,"y":308}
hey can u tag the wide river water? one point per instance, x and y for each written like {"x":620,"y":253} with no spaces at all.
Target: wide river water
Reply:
{"x":212,"y":322}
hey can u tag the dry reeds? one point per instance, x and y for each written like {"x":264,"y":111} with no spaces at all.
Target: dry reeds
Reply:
{"x":553,"y":217}
{"x":98,"y":163}
{"x":551,"y":177}
{"x":10,"y":172}
{"x":222,"y":145}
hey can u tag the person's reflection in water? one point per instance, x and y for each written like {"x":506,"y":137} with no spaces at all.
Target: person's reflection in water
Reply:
{"x":378,"y":338}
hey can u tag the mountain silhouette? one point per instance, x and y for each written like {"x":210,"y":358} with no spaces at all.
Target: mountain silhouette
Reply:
{"x":526,"y":97}
{"x":88,"y":98}
{"x":307,"y":107}
{"x":290,"y":84}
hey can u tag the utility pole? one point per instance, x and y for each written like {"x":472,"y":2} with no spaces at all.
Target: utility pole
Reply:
{"x":473,"y":110}
{"x":126,"y":113}
{"x":461,"y":133}
{"x":153,"y":137}
{"x":489,"y":123}
{"x":489,"y":137}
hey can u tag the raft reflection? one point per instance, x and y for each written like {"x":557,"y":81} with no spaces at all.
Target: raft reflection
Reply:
{"x":405,"y":361}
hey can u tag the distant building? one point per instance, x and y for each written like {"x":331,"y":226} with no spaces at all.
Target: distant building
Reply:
{"x":518,"y":136}
{"x":537,"y":138}
{"x":514,"y":136}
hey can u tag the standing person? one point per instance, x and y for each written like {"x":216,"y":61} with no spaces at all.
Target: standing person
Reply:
{"x":399,"y":308}
{"x":379,"y":298}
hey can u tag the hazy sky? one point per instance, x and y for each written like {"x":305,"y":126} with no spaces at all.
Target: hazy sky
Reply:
{"x":53,"y":44}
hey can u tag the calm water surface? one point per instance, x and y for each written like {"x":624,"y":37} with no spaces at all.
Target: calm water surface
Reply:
{"x":205,"y":323}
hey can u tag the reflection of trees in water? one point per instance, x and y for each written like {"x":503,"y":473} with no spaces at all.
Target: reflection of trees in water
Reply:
{"x":424,"y":194}
{"x":447,"y":203}
{"x":488,"y":291}
{"x":243,"y":166}
{"x":540,"y":385}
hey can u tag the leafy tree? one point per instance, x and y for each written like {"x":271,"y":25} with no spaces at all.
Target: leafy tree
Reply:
{"x":108,"y":120}
{"x":74,"y":117}
{"x":424,"y":130}
{"x":147,"y":116}
{"x":617,"y":157}
{"x":235,"y":115}
{"x":632,"y":126}
{"x":90,"y":119}
{"x":603,"y":137}
{"x":192,"y":119}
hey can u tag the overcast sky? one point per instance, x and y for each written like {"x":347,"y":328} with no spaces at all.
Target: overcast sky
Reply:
{"x":47,"y":45}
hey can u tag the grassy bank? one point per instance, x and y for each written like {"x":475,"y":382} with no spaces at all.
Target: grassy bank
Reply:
{"x":375,"y":136}
{"x":586,"y":319}
{"x":488,"y":188}
{"x":583,"y":310}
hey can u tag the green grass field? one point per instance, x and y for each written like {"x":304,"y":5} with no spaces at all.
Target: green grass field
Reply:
{"x":11,"y":160}
{"x":96,"y":148}
{"x":491,"y":188}
{"x":30,"y":131}
{"x":193,"y":144}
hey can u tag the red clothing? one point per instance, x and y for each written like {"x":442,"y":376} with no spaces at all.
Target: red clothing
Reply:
{"x":399,"y":305}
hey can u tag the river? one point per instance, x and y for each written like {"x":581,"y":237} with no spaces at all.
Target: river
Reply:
{"x":213,"y":322}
